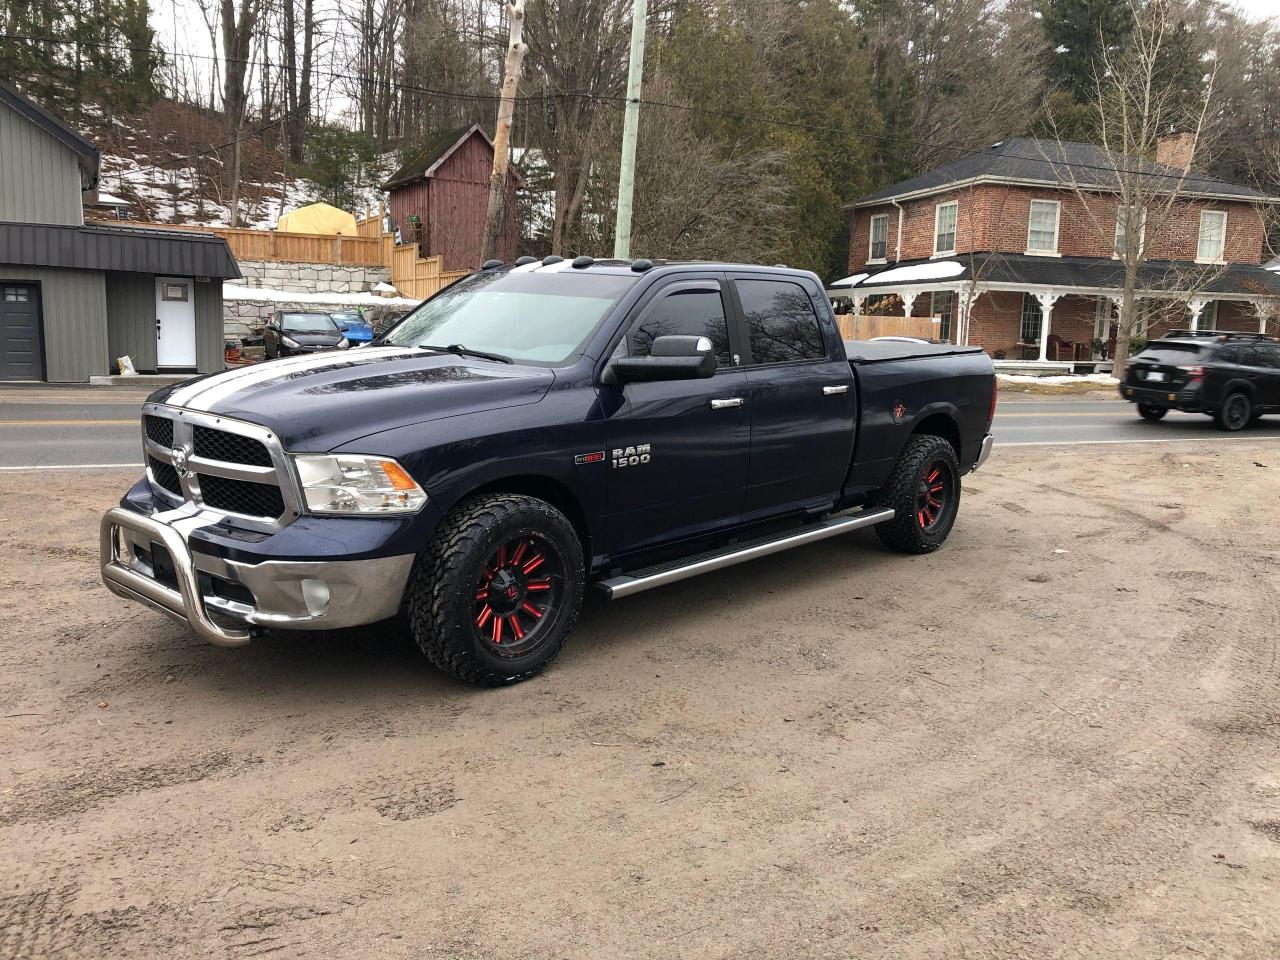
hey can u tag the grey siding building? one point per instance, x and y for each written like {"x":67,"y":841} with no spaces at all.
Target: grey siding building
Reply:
{"x":75,"y":296}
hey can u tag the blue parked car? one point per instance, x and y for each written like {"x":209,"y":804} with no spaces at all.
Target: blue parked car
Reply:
{"x":358,"y":330}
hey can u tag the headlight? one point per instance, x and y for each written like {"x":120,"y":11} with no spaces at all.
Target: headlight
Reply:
{"x":352,"y":484}
{"x":289,"y":342}
{"x":344,"y":343}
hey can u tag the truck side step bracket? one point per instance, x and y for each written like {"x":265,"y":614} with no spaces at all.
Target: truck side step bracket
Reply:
{"x":637,"y":581}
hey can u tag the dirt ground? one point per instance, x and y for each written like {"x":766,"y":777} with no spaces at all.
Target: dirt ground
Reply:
{"x":1057,"y":737}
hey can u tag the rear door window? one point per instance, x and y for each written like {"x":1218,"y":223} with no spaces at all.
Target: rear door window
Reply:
{"x":1232,"y":353}
{"x":781,"y":324}
{"x":692,"y":311}
{"x":1172,"y":354}
{"x":1265,"y":355}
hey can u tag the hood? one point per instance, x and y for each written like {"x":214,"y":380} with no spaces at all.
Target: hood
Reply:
{"x":317,"y":339}
{"x":321,"y":401}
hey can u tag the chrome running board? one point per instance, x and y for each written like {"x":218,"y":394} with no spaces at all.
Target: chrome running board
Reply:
{"x":624,"y":585}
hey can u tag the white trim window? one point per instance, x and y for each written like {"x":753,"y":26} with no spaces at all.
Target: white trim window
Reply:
{"x":1032,"y":317}
{"x":1213,"y":235}
{"x":1208,"y":316}
{"x":944,"y":228}
{"x":1142,"y":233}
{"x":940,"y":306}
{"x":1042,"y":226}
{"x":878,"y":245}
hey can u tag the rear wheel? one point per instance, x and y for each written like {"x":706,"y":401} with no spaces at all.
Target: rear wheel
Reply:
{"x":1235,"y":413}
{"x":924,"y":491}
{"x":1148,"y":411}
{"x":492,"y":599}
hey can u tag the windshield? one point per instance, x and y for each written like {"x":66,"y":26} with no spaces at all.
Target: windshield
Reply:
{"x":307,"y":323}
{"x":529,"y":317}
{"x":343,"y":320}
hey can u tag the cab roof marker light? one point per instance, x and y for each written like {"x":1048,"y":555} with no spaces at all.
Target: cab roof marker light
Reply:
{"x":581,"y":262}
{"x":641,"y":265}
{"x":491,"y":265}
{"x":525,"y":260}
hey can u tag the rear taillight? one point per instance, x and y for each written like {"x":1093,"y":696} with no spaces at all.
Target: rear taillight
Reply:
{"x":1193,"y":373}
{"x":995,"y":392}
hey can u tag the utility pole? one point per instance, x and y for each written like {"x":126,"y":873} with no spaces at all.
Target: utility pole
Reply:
{"x":497,"y":214}
{"x":630,"y":130}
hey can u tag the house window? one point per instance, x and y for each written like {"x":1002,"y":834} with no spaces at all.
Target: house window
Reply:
{"x":1120,"y":228}
{"x":1213,"y":230}
{"x":940,"y":306}
{"x":879,"y":249}
{"x":1042,"y":227}
{"x":1029,"y":329}
{"x":16,"y":295}
{"x":944,"y":228}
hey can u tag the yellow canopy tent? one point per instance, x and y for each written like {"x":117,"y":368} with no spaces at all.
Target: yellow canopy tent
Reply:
{"x":318,"y":218}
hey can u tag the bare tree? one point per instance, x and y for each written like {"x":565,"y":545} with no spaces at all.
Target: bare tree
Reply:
{"x":497,"y":213}
{"x":297,"y":75}
{"x":237,"y":46}
{"x":1128,"y":197}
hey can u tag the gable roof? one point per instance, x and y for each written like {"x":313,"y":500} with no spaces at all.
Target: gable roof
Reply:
{"x":438,"y":149}
{"x":1048,"y":163}
{"x":86,"y":153}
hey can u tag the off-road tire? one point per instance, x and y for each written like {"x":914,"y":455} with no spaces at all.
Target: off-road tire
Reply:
{"x":442,"y":587}
{"x":1149,"y":411}
{"x":906,"y":531}
{"x":1235,"y":412}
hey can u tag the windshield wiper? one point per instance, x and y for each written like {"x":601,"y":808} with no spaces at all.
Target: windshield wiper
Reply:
{"x":461,"y":351}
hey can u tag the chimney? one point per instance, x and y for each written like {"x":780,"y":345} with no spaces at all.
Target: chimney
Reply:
{"x":1176,"y":149}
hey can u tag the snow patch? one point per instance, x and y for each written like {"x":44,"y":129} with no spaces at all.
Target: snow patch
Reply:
{"x":236,"y":291}
{"x":853,"y":281}
{"x":1103,"y":378}
{"x":918,"y":272}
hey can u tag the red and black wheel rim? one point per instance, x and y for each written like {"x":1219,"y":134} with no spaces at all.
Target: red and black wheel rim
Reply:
{"x":935,"y":495}
{"x":517,"y":593}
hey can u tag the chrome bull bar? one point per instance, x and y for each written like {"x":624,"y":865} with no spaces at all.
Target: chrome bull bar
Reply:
{"x":186,"y":604}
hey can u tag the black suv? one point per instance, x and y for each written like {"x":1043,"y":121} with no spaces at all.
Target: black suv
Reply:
{"x":1233,"y":377}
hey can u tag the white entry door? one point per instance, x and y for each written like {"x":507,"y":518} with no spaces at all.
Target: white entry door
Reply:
{"x":175,"y":322}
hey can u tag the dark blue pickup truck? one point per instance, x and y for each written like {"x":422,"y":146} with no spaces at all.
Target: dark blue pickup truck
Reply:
{"x":530,"y":430}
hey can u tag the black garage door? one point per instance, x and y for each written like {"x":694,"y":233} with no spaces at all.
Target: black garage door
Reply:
{"x":21,"y":352}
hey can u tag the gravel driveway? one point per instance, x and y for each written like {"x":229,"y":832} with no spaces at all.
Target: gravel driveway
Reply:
{"x":1057,"y":737}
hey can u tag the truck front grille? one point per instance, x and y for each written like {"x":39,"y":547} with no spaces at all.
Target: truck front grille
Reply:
{"x":241,"y":496}
{"x":164,"y":474}
{"x":219,"y":453}
{"x":229,"y":447}
{"x":158,"y":430}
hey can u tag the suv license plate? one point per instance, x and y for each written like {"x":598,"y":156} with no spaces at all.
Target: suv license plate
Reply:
{"x":1156,"y":376}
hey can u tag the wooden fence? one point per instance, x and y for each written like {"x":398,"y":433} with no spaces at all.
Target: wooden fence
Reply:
{"x":248,"y":244}
{"x":865,"y":326}
{"x":419,"y":277}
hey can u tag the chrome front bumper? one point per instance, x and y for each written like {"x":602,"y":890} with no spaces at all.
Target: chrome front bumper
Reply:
{"x":287,"y":594}
{"x":984,"y":451}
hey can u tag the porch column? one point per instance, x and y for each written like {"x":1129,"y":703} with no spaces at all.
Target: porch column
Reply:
{"x":908,"y":300}
{"x":1196,"y":305}
{"x":1047,"y":300}
{"x":859,"y":301}
{"x":960,"y":316}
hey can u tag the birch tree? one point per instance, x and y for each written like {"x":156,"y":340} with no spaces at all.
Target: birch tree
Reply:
{"x":497,"y":213}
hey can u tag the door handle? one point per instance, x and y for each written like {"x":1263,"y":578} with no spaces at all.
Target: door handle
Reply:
{"x":727,"y":403}
{"x":833,"y":391}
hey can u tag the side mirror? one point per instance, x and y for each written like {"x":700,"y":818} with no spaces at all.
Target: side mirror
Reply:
{"x":671,"y":358}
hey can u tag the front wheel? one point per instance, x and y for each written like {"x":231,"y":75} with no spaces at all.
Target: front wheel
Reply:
{"x":1235,"y":413}
{"x":493,"y":597}
{"x":924,"y":491}
{"x":1149,"y":411}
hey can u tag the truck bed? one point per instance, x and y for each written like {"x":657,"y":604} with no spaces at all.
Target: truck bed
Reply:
{"x":879,"y":351}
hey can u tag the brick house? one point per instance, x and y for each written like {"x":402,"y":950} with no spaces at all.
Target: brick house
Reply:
{"x":1013,"y":248}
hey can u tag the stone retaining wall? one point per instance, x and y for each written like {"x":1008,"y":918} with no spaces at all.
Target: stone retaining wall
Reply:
{"x":312,"y":277}
{"x":241,"y":318}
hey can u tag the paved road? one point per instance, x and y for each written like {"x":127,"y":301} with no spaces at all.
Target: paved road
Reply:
{"x":68,"y":427}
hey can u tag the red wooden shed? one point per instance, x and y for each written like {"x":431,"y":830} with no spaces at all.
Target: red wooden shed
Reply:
{"x":446,"y":187}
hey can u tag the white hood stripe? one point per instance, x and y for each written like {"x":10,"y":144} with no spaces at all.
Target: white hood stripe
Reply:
{"x":207,"y":393}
